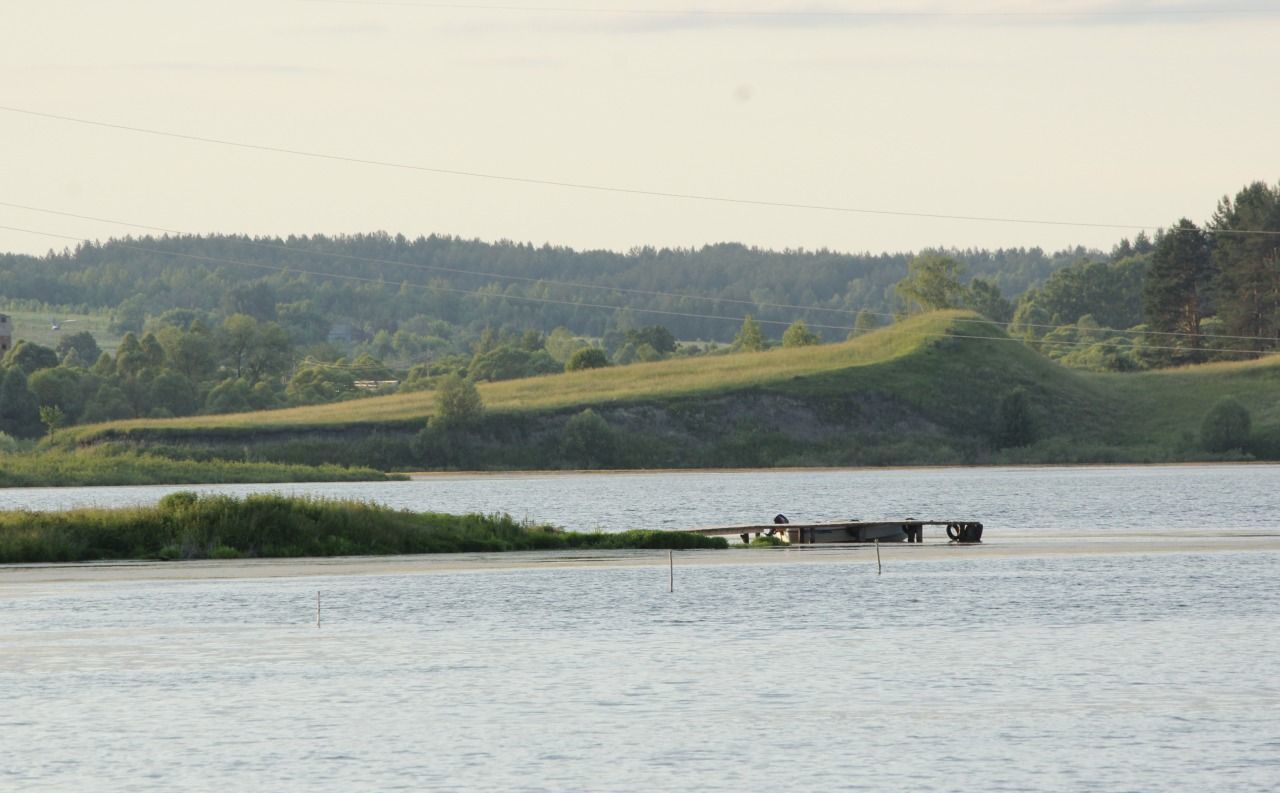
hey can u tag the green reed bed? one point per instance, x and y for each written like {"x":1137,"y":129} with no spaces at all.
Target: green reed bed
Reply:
{"x":193,"y":526}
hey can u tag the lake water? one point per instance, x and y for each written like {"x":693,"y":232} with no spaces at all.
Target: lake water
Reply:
{"x":1097,"y":672}
{"x":1098,"y":498}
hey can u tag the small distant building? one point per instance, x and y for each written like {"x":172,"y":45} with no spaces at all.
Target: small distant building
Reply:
{"x":6,"y":334}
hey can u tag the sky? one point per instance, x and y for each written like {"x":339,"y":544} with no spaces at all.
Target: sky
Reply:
{"x":622,"y":123}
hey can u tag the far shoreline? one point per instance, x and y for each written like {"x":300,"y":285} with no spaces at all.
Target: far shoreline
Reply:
{"x":550,"y":472}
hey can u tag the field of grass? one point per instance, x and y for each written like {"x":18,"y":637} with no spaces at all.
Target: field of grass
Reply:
{"x":190,"y":526}
{"x":37,"y":326}
{"x":925,"y":390}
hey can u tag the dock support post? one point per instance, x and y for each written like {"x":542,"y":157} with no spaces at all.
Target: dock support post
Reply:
{"x":671,"y":571}
{"x":317,"y":609}
{"x":879,"y":568}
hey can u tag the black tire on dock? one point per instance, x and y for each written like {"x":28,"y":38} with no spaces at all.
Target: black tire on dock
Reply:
{"x":953,"y":531}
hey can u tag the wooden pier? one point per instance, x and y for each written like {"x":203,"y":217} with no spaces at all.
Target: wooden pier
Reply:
{"x":851,"y":531}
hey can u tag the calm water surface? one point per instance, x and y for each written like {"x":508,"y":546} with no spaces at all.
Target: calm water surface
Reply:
{"x":1091,"y":498}
{"x":1098,"y":673}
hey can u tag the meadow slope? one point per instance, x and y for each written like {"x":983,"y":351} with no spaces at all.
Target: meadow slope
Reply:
{"x":925,"y":390}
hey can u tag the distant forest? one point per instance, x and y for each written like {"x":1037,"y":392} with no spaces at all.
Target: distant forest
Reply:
{"x":379,"y":282}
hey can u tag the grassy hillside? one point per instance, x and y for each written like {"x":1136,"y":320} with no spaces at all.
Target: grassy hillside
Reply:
{"x":926,"y":390}
{"x":663,"y":379}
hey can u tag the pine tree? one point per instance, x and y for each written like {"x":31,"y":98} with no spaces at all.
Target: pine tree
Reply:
{"x":1176,"y":285}
{"x":1248,"y":265}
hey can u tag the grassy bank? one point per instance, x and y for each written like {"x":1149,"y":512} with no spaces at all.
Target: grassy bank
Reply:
{"x":190,"y":526}
{"x":926,"y":390}
{"x":102,"y":466}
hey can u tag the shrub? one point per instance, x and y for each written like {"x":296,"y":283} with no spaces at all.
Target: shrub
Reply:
{"x":588,"y":441}
{"x":587,"y":358}
{"x":799,"y":335}
{"x":1226,"y":426}
{"x":458,"y":401}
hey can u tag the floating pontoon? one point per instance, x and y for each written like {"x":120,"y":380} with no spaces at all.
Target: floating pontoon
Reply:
{"x":849,"y":531}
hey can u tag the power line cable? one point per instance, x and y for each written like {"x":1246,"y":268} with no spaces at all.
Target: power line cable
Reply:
{"x":605,"y":287}
{"x":814,"y":13}
{"x":599,"y":188}
{"x":483,"y":294}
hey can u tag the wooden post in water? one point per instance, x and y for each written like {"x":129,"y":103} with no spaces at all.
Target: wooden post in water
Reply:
{"x":317,"y":608}
{"x":879,"y":568}
{"x":671,"y":571}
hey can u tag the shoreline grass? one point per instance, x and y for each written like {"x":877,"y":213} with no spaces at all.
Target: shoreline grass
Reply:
{"x":102,"y":467}
{"x":188,"y":525}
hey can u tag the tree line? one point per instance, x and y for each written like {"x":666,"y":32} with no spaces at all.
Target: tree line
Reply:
{"x":382,"y":284}
{"x":1192,"y":293}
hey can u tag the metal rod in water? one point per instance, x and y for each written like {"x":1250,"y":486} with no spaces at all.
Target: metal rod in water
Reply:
{"x":879,"y":568}
{"x":671,"y":571}
{"x":317,"y":608}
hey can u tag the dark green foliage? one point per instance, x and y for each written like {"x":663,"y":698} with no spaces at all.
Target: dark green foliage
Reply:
{"x":587,"y":358}
{"x":19,"y":410}
{"x":190,"y":526}
{"x":798,"y":334}
{"x":1014,"y":425}
{"x":1248,"y":265}
{"x":230,"y":396}
{"x":1226,"y":426}
{"x":68,"y":389}
{"x":313,"y":385}
{"x":107,"y":404}
{"x":458,"y":402}
{"x":1109,"y":292}
{"x":30,"y":357}
{"x":656,"y":336}
{"x":119,"y":277}
{"x":750,"y":338}
{"x":440,"y":447}
{"x":984,"y":297}
{"x":509,"y":363}
{"x":1176,"y":286}
{"x":932,"y":283}
{"x":130,"y":357}
{"x":172,"y":392}
{"x":589,"y":442}
{"x":83,"y":343}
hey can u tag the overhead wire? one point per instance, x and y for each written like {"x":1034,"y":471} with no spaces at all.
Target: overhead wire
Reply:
{"x":601,"y":188}
{"x":606,"y":287}
{"x":519,"y":298}
{"x":814,"y":13}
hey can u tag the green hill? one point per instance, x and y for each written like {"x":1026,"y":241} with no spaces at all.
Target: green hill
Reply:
{"x":927,"y":390}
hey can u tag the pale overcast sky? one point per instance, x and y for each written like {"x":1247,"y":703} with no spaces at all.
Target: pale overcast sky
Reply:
{"x":1126,"y":112}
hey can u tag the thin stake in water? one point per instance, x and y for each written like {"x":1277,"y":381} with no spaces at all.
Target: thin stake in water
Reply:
{"x":317,"y":608}
{"x":671,"y":571}
{"x":879,"y":568}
